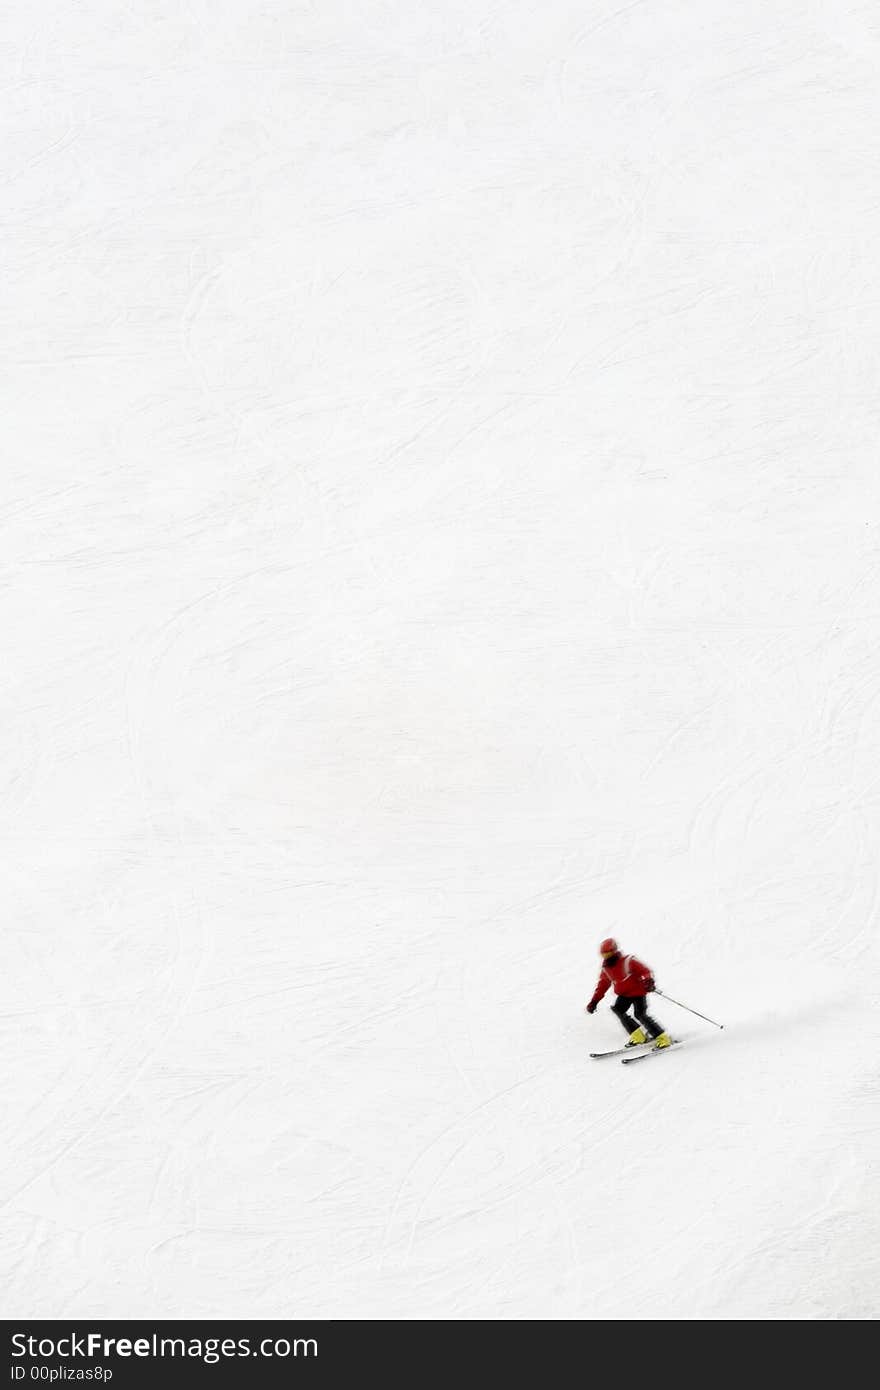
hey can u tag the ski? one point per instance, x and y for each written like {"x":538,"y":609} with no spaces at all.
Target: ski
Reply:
{"x":628,"y":1047}
{"x":652,"y":1052}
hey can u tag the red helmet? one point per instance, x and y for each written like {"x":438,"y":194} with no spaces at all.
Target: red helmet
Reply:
{"x":609,"y":947}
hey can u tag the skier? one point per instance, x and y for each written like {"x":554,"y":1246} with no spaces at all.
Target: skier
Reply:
{"x":633,"y":982}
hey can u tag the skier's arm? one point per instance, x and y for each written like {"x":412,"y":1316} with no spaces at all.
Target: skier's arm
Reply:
{"x":599,"y":992}
{"x":643,"y":973}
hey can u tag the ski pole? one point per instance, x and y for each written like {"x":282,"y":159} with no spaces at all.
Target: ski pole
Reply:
{"x":690,"y":1010}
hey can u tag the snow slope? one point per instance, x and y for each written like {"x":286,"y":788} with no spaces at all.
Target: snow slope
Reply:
{"x":440,"y":508}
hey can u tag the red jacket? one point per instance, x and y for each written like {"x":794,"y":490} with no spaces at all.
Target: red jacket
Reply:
{"x":629,"y":976}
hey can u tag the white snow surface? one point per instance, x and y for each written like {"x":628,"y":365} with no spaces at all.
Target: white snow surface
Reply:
{"x":440,"y":508}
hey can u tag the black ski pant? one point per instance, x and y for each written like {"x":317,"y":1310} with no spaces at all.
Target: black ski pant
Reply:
{"x":639,"y":1006}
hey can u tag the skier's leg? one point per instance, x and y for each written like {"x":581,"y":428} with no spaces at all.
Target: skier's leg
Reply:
{"x":650,"y":1025}
{"x":620,"y":1007}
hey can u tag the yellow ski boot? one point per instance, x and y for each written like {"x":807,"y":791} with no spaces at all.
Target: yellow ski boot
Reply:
{"x":639,"y":1036}
{"x":663,"y":1040}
